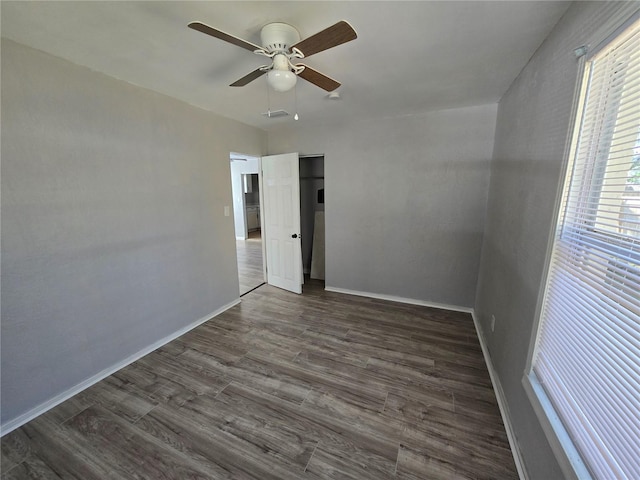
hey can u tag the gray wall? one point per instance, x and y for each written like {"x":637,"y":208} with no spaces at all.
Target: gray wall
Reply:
{"x":113,"y":226}
{"x":405,"y":200}
{"x":531,"y":134}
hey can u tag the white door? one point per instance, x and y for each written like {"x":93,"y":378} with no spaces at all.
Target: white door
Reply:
{"x":281,"y":220}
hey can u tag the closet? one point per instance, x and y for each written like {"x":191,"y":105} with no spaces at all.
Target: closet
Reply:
{"x":311,"y":221}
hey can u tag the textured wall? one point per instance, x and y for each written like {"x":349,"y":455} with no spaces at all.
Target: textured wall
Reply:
{"x":113,"y":226}
{"x":405,"y":200}
{"x":531,"y":134}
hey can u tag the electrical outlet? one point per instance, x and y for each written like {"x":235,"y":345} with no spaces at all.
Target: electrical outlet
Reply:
{"x":493,"y":322}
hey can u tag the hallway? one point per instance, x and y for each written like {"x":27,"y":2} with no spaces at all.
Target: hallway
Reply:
{"x":250,"y":270}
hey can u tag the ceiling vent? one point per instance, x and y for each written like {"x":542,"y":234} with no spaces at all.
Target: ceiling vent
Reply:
{"x":275,"y":113}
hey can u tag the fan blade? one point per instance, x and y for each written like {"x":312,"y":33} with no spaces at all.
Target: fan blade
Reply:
{"x":319,"y":79}
{"x":257,"y":73}
{"x":330,"y":37}
{"x":214,"y":32}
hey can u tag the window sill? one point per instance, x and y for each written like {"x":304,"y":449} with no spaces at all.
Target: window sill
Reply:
{"x":561,"y":444}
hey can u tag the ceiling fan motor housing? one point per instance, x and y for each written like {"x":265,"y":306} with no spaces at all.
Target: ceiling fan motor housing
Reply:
{"x":280,"y":62}
{"x":278,"y":37}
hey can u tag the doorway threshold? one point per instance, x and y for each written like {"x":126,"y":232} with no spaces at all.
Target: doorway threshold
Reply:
{"x":254,"y":288}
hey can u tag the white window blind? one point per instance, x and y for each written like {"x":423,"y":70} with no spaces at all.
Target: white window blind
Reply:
{"x":587,"y":356}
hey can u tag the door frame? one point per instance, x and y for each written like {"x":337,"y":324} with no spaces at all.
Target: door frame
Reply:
{"x":262,"y":223}
{"x":236,"y":156}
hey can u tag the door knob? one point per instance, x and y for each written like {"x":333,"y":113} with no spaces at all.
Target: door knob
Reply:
{"x":295,"y":235}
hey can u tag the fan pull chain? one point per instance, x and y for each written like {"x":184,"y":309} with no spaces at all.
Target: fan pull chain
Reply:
{"x":268,"y":98}
{"x":295,"y":93}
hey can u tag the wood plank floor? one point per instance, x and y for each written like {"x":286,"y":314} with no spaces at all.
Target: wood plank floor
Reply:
{"x":249,"y":254}
{"x":282,"y":386}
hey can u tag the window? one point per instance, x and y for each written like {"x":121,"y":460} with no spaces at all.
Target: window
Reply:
{"x":585,"y":367}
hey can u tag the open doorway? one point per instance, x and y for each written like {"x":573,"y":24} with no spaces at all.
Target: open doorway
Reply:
{"x":245,"y":186}
{"x":293,"y":195}
{"x":312,"y":216}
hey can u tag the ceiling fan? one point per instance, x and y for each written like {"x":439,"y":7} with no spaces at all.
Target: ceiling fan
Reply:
{"x":281,"y":43}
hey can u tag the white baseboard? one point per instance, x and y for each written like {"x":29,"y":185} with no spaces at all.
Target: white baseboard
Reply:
{"x":67,"y":394}
{"x":502,"y":403}
{"x":393,"y":298}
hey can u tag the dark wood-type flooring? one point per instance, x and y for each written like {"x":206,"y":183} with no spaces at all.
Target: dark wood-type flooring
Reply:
{"x":249,"y":253}
{"x":282,"y":386}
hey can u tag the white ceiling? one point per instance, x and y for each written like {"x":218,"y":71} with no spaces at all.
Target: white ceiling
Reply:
{"x":409,"y":57}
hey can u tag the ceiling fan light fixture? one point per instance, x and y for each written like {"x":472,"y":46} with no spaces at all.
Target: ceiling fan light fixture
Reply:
{"x":281,"y":80}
